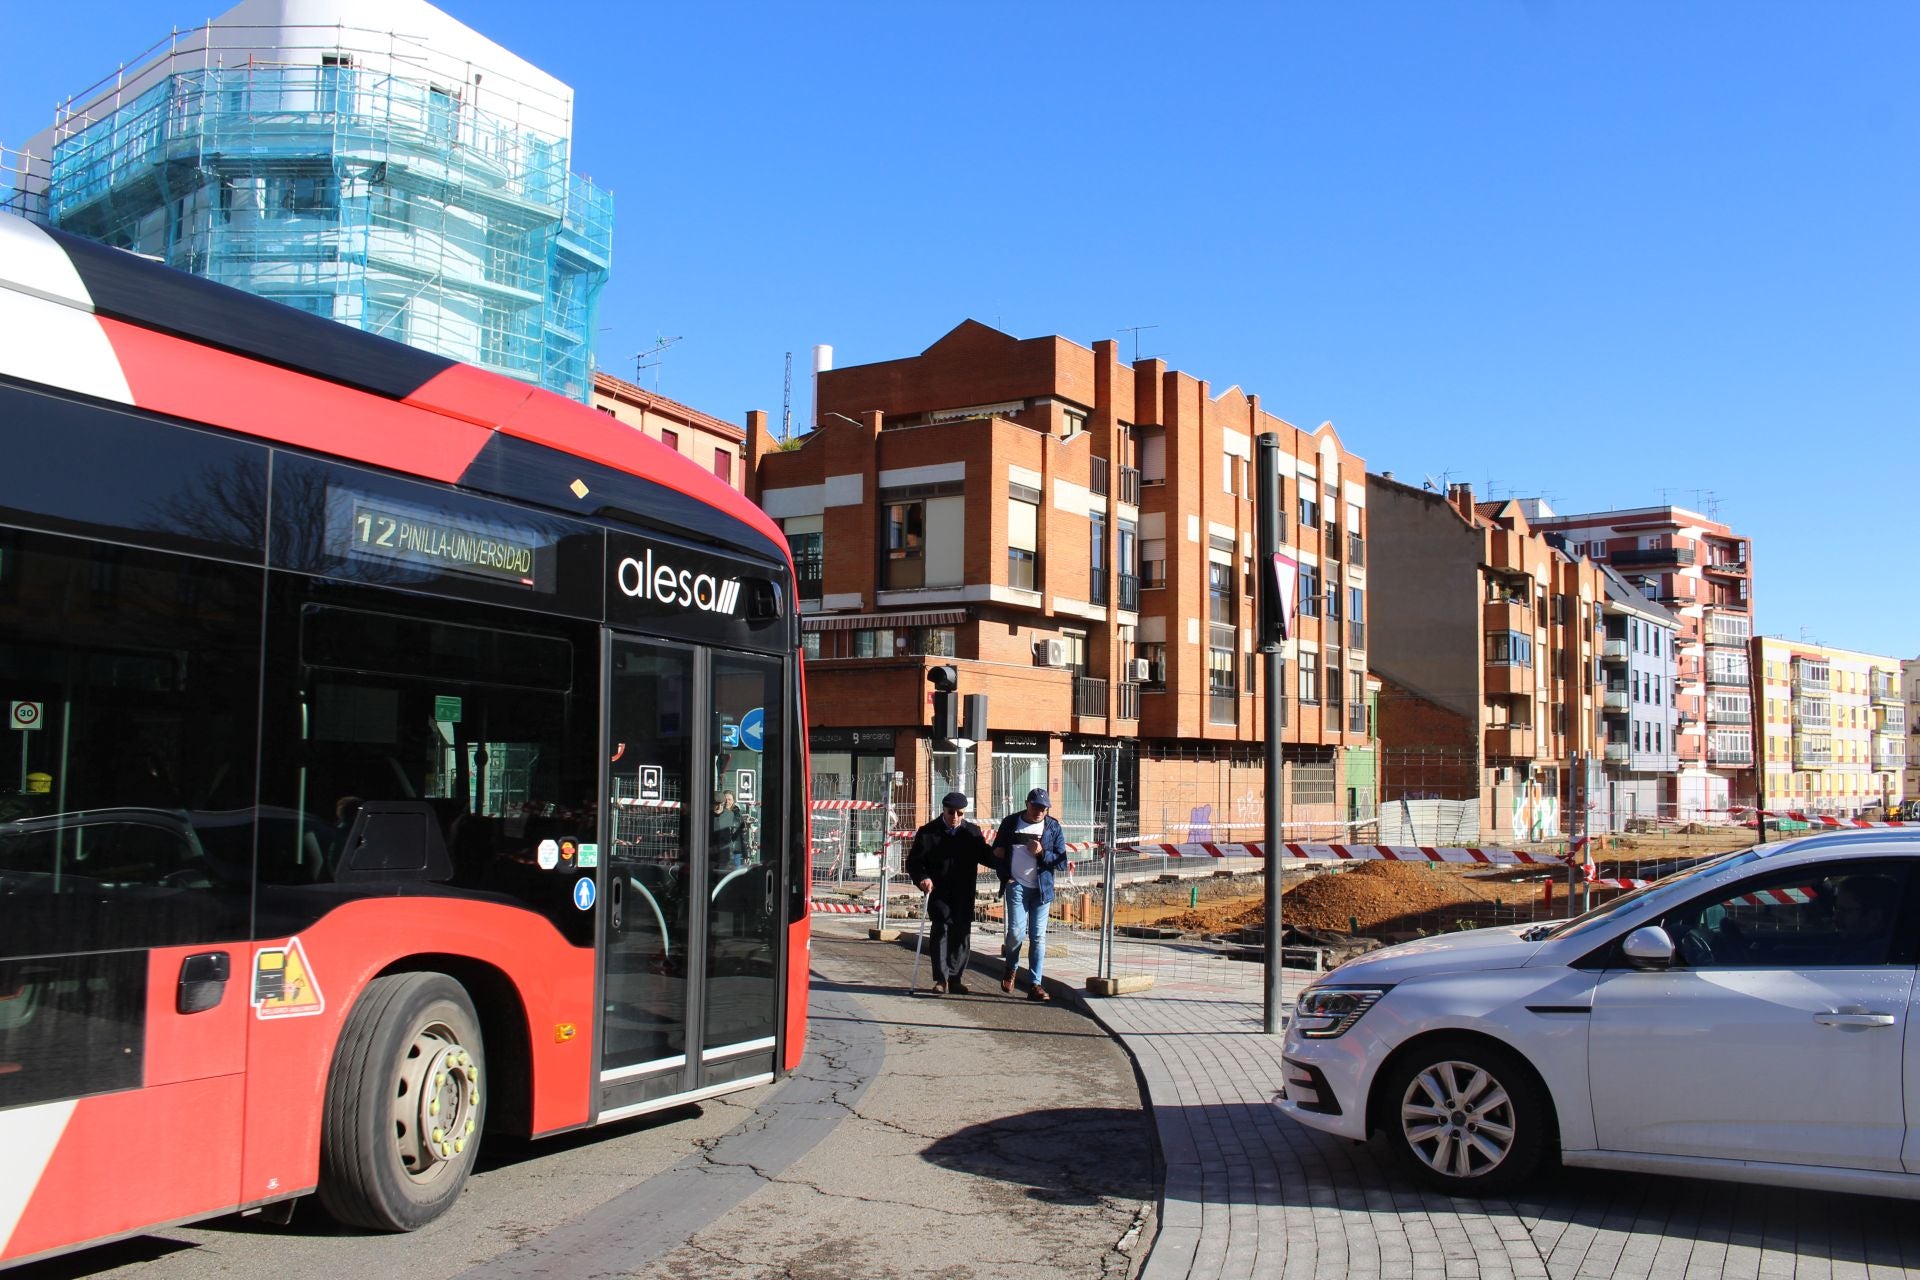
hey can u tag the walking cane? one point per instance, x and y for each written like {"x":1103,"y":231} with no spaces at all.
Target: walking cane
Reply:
{"x":919,"y":942}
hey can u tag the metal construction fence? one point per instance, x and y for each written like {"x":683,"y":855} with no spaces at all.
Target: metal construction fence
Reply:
{"x":1156,"y":902}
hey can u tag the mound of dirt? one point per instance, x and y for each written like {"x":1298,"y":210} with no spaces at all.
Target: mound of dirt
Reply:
{"x":1366,"y":894}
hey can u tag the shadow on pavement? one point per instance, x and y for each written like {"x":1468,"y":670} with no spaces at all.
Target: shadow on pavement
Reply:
{"x":1252,"y":1154}
{"x":1069,"y":1155}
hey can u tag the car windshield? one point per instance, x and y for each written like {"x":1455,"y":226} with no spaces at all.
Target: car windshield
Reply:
{"x":1669,"y":887}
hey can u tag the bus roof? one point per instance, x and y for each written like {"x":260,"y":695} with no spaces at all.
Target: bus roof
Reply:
{"x":438,"y":416}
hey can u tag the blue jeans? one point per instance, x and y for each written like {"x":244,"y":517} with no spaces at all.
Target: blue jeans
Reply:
{"x":1026,"y":922}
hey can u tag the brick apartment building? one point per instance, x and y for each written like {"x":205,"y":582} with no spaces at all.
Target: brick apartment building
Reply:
{"x":1833,"y":728}
{"x":1702,"y":571}
{"x":717,"y":445}
{"x":1910,"y":691}
{"x":1488,"y":661}
{"x":1075,"y":534}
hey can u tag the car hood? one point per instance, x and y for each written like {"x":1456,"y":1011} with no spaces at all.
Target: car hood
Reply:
{"x":1499,"y":948}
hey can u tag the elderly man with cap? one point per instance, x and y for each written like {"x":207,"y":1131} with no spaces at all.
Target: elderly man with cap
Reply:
{"x":942,"y":863}
{"x":1031,"y":842}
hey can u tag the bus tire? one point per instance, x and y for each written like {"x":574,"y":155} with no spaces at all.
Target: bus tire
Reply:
{"x":405,"y":1104}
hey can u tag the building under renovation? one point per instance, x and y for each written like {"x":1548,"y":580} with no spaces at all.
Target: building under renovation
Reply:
{"x":372,"y":161}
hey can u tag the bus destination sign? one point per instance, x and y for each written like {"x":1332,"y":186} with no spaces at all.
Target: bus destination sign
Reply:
{"x":431,"y":540}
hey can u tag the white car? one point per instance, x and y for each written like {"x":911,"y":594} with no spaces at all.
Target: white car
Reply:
{"x":1746,"y":1019}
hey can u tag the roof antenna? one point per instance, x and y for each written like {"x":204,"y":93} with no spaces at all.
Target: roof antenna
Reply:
{"x":658,"y":353}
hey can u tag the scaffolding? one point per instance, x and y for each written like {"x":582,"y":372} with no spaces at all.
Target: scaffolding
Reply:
{"x":377,"y":200}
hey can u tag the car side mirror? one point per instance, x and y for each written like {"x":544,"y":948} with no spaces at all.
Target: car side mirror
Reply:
{"x":1648,"y":948}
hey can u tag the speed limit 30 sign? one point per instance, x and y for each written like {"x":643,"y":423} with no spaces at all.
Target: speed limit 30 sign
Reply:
{"x":26,"y":715}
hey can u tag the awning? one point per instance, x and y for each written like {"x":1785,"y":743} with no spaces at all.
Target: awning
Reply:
{"x":862,"y":621}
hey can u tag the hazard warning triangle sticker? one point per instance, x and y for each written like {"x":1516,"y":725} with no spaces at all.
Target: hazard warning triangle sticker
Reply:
{"x":283,"y":983}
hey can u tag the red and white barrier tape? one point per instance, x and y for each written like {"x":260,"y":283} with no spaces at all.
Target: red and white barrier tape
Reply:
{"x":841,"y":908}
{"x":1359,"y":853}
{"x":844,"y":806}
{"x":1818,"y":819}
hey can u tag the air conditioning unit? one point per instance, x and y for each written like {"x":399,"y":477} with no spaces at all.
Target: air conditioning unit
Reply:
{"x":1050,"y":653}
{"x":1143,"y":670}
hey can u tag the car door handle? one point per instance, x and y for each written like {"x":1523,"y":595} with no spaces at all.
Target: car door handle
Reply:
{"x":1854,"y":1019}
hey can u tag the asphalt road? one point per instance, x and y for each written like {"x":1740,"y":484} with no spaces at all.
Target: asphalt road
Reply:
{"x":970,"y":1136}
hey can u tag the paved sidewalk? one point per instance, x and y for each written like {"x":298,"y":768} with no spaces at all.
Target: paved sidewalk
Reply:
{"x":1251,"y":1193}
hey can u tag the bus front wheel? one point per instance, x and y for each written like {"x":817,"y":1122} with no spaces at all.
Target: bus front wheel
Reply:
{"x":406,"y":1104}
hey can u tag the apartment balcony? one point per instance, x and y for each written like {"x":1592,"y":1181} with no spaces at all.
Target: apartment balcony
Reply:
{"x":1723,"y":715}
{"x":1733,"y":757}
{"x":1130,"y":485}
{"x":1098,"y":589}
{"x":1619,"y":752}
{"x":1089,"y":696}
{"x":1509,"y":742}
{"x":1726,"y":638}
{"x":1097,"y":481}
{"x":1886,"y":693}
{"x":1616,"y":700}
{"x":1127,"y":703}
{"x":1651,"y":557}
{"x":1733,"y":677}
{"x":1613,"y":651}
{"x":1505,"y":680}
{"x":1503,"y":615}
{"x":1356,"y":634}
{"x":1130,"y":592}
{"x":1356,"y":717}
{"x":1356,"y":551}
{"x":1729,"y":568}
{"x":1889,"y":759}
{"x":1808,"y":714}
{"x":1809,"y":757}
{"x":1811,"y":679}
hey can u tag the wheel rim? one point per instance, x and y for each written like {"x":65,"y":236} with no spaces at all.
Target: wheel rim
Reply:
{"x":436,"y":1102}
{"x":1458,"y":1119}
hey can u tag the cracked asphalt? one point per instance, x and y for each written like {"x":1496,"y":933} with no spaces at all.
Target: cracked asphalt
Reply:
{"x":970,"y":1136}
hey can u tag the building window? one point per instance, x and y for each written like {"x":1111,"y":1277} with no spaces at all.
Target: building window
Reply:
{"x":1023,"y":544}
{"x":1509,"y":649}
{"x":1220,"y":593}
{"x":1309,"y":508}
{"x":906,"y":545}
{"x":1097,"y":556}
{"x":723,"y":466}
{"x":1309,"y":668}
{"x":670,"y":438}
{"x":1309,"y":604}
{"x":1334,"y":684}
{"x":810,"y":645}
{"x":809,"y":563}
{"x":1154,"y":654}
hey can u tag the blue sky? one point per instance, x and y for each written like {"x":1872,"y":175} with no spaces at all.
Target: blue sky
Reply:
{"x":1616,"y":254}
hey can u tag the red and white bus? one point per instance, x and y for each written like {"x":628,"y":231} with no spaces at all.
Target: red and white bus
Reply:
{"x":396,"y":753}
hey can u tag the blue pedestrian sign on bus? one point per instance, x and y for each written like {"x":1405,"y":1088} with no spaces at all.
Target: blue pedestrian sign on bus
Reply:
{"x":753,"y":729}
{"x":583,"y":893}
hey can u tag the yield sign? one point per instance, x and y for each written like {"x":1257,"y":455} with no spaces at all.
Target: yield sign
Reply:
{"x":1286,"y":576}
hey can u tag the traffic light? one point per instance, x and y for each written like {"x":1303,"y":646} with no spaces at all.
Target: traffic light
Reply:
{"x":945,"y":700}
{"x":973,"y":718}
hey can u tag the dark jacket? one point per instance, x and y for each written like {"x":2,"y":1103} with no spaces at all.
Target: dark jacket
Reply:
{"x":948,"y":858}
{"x":1053,"y":849}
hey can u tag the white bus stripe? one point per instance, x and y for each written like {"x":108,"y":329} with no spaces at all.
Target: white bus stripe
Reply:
{"x":29,"y":1136}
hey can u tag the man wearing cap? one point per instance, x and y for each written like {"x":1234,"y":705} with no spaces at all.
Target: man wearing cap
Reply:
{"x":942,"y":863}
{"x":1031,"y":842}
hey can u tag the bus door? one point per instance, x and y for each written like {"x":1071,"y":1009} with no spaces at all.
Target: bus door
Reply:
{"x":688,"y":888}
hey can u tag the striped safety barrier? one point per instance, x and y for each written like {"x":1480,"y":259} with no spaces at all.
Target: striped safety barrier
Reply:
{"x":1818,"y":819}
{"x":820,"y":907}
{"x":845,"y":806}
{"x":1359,"y":853}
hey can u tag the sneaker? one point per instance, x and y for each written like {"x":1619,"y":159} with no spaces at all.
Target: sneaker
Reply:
{"x":957,"y":987}
{"x":939,"y":988}
{"x":1006,"y":983}
{"x":1038,"y":993}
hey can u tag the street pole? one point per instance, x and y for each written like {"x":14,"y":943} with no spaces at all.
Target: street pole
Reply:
{"x":1274,"y":605}
{"x":1113,"y":843}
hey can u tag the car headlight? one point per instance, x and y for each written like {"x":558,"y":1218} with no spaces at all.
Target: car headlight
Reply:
{"x":1325,"y":1012}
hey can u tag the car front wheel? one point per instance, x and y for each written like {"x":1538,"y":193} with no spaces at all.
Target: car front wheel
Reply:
{"x":1466,"y":1117}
